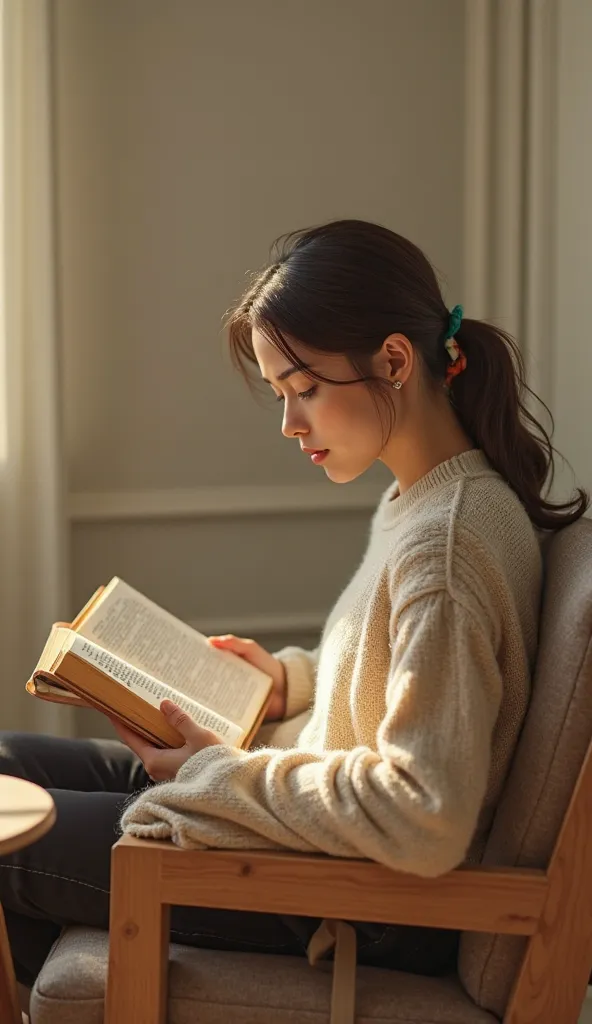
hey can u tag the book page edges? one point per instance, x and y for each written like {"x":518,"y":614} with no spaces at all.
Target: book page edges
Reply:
{"x":89,"y":608}
{"x":98,"y":690}
{"x":88,"y":682}
{"x":51,"y":689}
{"x":39,"y":686}
{"x":84,"y":684}
{"x":250,"y":736}
{"x":100,"y":594}
{"x":53,"y":645}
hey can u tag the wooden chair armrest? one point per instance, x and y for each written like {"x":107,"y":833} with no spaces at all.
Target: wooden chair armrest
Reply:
{"x":497,"y":900}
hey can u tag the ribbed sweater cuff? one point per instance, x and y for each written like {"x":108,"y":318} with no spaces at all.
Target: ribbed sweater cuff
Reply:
{"x":300,"y":676}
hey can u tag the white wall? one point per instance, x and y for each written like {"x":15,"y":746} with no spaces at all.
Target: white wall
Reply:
{"x":188,"y":136}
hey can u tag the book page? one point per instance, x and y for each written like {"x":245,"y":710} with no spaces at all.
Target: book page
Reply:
{"x":152,"y":690}
{"x":53,"y":645}
{"x":135,"y":629}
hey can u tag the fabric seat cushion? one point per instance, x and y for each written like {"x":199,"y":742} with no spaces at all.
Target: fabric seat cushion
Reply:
{"x":214,"y":987}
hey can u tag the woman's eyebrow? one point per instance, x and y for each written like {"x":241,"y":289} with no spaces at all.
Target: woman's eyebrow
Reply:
{"x":285,"y":373}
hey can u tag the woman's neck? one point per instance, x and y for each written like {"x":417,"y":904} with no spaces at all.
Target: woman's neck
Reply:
{"x":423,"y":439}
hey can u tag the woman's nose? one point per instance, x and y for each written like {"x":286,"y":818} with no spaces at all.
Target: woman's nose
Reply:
{"x":292,"y":424}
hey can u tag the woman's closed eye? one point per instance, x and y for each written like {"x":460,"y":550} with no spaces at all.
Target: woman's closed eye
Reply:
{"x":303,"y":395}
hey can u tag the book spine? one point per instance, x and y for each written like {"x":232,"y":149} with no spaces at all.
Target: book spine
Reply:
{"x":152,"y":690}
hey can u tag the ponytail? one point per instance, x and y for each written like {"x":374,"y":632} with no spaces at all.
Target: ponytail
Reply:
{"x":488,"y":398}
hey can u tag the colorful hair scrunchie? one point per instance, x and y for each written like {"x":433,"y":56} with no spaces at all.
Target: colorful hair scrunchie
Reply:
{"x":458,"y":360}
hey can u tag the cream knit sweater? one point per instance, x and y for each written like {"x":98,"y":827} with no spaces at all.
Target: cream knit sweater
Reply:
{"x":418,"y":690}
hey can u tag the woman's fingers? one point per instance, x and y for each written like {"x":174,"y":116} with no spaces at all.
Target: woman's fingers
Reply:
{"x":233,"y":643}
{"x":160,"y":764}
{"x":253,"y":653}
{"x":193,"y":734}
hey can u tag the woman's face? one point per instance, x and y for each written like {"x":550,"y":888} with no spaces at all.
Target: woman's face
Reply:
{"x":341,"y":421}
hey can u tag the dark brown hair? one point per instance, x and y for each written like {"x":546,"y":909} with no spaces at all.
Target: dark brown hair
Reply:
{"x":344,"y":287}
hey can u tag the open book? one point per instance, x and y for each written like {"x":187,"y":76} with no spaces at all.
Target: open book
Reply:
{"x":123,"y":655}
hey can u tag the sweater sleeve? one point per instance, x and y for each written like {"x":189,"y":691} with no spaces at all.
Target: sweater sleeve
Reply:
{"x":410,"y":802}
{"x":301,"y":667}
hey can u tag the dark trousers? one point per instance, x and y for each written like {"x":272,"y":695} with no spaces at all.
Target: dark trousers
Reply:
{"x":64,"y":877}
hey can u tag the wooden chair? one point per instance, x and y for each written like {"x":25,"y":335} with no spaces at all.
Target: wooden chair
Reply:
{"x":525,"y":912}
{"x":553,"y":908}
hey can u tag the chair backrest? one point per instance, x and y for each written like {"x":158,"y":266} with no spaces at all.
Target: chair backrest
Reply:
{"x":550,"y":752}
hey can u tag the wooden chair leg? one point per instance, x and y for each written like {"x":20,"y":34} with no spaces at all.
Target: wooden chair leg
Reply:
{"x":10,"y":1012}
{"x":138,"y":940}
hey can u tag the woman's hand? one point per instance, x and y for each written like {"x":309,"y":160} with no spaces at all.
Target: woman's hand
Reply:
{"x":256,"y":655}
{"x":162,"y":765}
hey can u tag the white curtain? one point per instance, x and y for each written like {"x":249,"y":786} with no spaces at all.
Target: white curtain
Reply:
{"x":509,"y":180}
{"x":33,"y":529}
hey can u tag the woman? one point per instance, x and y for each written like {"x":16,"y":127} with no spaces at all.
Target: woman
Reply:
{"x":413,"y":701}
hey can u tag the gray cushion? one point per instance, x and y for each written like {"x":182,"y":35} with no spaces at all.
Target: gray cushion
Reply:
{"x":207,"y":986}
{"x":549,"y":755}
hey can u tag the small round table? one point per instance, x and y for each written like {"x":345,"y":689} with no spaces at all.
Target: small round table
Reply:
{"x":27,"y":812}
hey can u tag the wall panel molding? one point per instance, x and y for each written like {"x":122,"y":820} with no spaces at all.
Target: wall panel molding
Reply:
{"x":224,"y":501}
{"x":262,"y":624}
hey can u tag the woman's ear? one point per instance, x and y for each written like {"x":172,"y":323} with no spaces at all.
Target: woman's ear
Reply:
{"x":397,"y":357}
